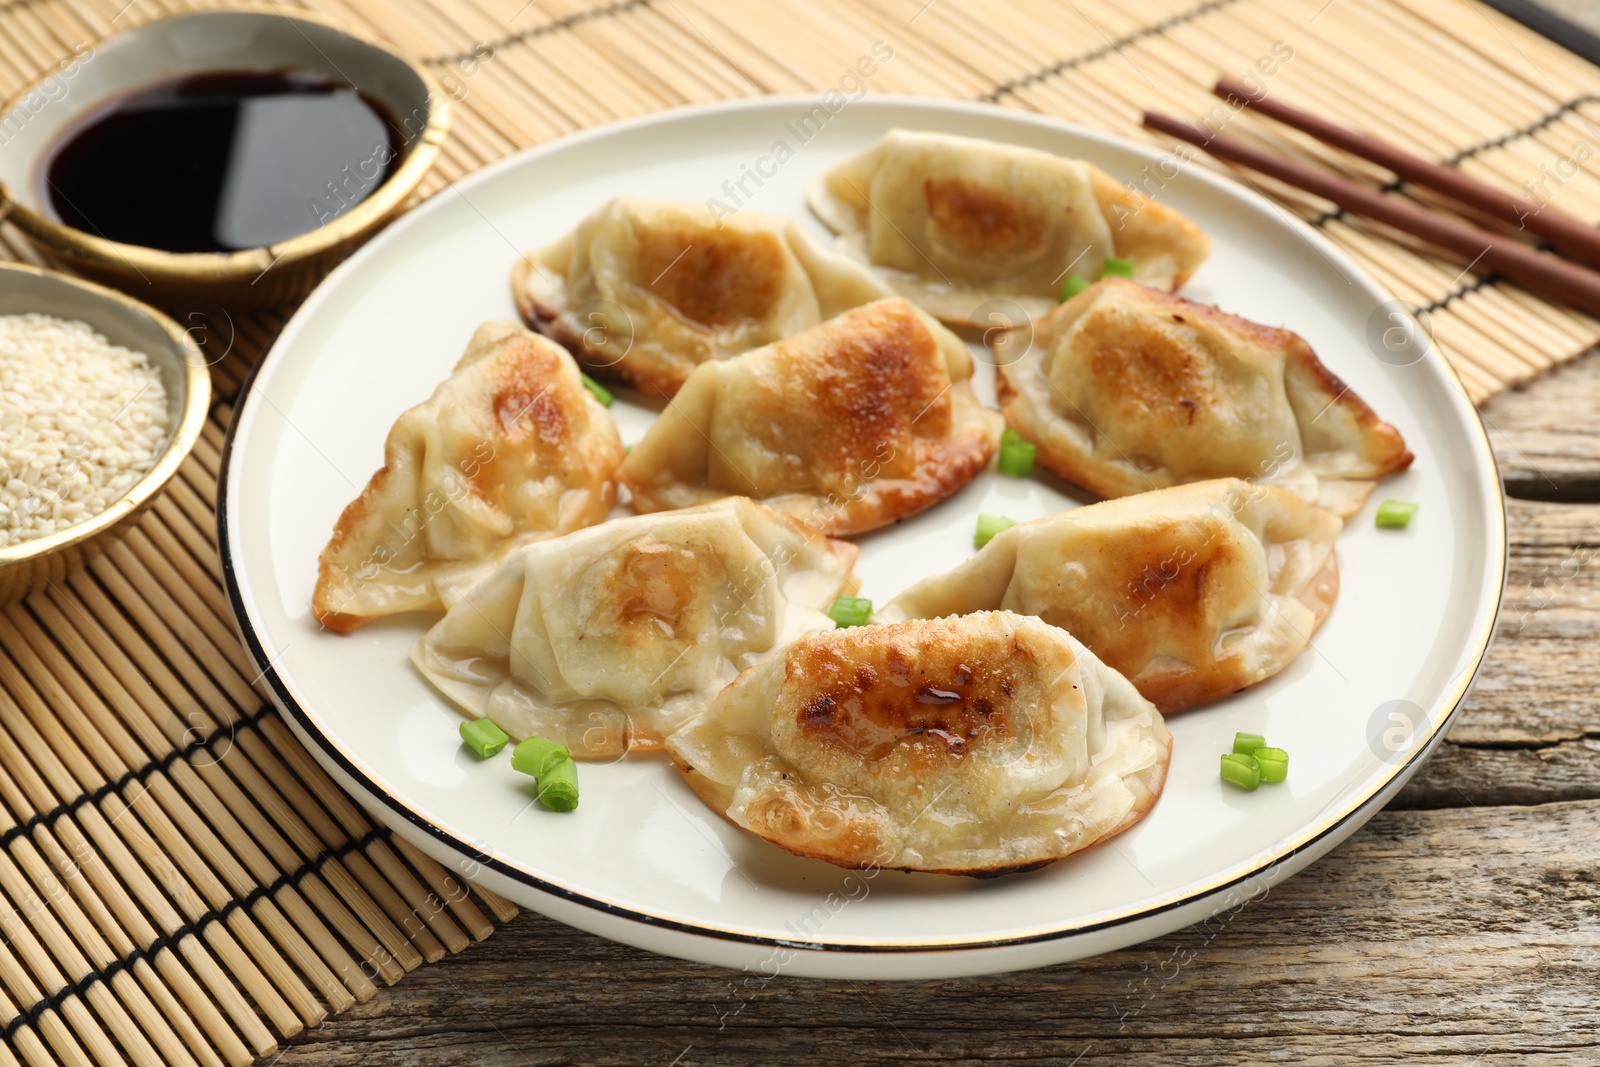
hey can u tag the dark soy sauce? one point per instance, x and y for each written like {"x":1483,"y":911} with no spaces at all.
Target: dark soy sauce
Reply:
{"x":221,"y":161}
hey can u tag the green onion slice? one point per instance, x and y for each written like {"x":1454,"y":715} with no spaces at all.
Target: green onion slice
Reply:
{"x":1116,"y":268}
{"x":988,"y":526}
{"x":1244,"y":744}
{"x":1070,"y":288}
{"x":850,"y":610}
{"x":1395,"y":514}
{"x":1274,"y":763}
{"x":558,"y":785}
{"x":1243,"y":771}
{"x":483,"y":737}
{"x":600,"y":392}
{"x":536,"y":755}
{"x":1016,"y":455}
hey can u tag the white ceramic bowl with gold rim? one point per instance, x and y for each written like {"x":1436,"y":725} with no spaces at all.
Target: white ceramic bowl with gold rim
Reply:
{"x":29,"y":566}
{"x":642,"y":860}
{"x":248,"y":38}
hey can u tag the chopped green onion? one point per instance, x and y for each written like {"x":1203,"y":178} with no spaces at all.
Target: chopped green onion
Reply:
{"x":1116,"y":268}
{"x":558,"y":785}
{"x":1016,"y":455}
{"x":483,"y":737}
{"x":1274,"y":763}
{"x":851,"y":610}
{"x":600,"y":392}
{"x":1245,"y":744}
{"x":1075,"y":284}
{"x":988,"y":526}
{"x":1243,"y":771}
{"x":1395,"y":514}
{"x":535,"y":756}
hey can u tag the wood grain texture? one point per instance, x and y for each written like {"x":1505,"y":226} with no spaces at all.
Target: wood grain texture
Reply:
{"x":1465,"y":935}
{"x":1546,"y":434}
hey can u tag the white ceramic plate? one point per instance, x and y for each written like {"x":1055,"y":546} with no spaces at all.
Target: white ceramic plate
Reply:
{"x":641,"y":860}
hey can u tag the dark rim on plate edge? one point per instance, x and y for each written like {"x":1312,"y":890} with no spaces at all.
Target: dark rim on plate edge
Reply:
{"x":333,"y":751}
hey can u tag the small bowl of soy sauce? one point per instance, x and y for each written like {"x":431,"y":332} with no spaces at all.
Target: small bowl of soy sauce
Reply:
{"x":229,"y":158}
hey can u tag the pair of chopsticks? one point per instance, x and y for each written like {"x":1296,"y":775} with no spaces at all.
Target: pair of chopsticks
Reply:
{"x":1542,"y":273}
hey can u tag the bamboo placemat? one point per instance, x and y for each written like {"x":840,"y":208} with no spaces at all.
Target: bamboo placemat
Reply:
{"x":179,"y":882}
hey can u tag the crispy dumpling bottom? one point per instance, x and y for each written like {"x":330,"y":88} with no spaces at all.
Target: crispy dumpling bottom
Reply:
{"x":1192,"y":592}
{"x":510,"y":449}
{"x":1124,"y":389}
{"x":980,"y":744}
{"x":644,"y":290}
{"x":848,"y":426}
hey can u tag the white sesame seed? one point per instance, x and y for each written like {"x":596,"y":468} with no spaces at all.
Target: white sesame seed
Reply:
{"x":81,"y":420}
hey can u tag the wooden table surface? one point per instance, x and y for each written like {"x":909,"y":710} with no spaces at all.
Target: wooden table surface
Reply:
{"x":1460,"y":925}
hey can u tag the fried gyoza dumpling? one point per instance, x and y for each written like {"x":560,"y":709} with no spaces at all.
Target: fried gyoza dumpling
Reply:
{"x":850,"y":425}
{"x":1125,"y":389}
{"x":510,"y":448}
{"x":610,"y":638}
{"x":1191,"y":593}
{"x":979,"y":744}
{"x":644,"y":291}
{"x":953,"y":222}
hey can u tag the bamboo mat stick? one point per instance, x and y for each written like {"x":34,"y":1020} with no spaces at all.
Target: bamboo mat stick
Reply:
{"x":150,"y":897}
{"x":134,"y":1019}
{"x":448,"y":889}
{"x":195,"y":544}
{"x":53,"y":1023}
{"x":69,"y":774}
{"x":256,"y":786}
{"x":76,"y":690}
{"x":179,"y":641}
{"x":182,"y":999}
{"x":158,"y":815}
{"x":432,"y":908}
{"x":154,"y":539}
{"x":393,"y":955}
{"x":261,"y":869}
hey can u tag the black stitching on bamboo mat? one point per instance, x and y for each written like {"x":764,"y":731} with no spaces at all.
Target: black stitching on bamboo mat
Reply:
{"x":138,"y":774}
{"x":77,"y":989}
{"x":1525,"y":131}
{"x":1107,"y":49}
{"x":1460,"y":291}
{"x":542,"y":30}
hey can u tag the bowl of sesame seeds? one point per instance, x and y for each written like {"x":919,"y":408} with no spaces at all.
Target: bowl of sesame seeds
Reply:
{"x":101,"y":400}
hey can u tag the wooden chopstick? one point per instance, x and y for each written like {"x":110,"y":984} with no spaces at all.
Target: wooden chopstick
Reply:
{"x":1544,"y":274}
{"x":1571,"y":235}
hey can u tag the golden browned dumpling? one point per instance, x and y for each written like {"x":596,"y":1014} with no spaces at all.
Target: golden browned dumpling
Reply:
{"x":953,"y":222}
{"x":510,"y":448}
{"x":644,"y":291}
{"x":1125,"y":389}
{"x":609,"y":638}
{"x":1191,"y":593}
{"x":979,"y":744}
{"x":849,"y":426}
